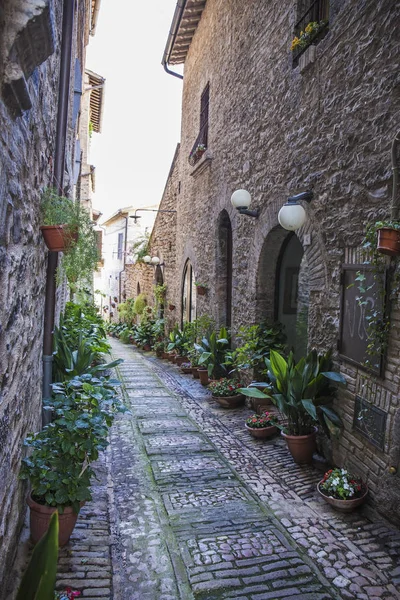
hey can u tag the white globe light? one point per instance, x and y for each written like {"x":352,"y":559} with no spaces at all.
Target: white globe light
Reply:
{"x":155,"y":260}
{"x":147,"y":259}
{"x":292,"y":216}
{"x":241,"y":199}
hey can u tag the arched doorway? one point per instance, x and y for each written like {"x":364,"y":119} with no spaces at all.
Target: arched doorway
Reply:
{"x":283,"y":287}
{"x":159,"y":280}
{"x":293,"y":293}
{"x":224,"y":269}
{"x":188,"y":299}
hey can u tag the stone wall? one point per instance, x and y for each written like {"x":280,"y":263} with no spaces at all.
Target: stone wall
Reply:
{"x":276,"y":130}
{"x":30,"y":31}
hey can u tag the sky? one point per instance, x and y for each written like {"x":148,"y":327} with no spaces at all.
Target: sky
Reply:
{"x":141,"y":118}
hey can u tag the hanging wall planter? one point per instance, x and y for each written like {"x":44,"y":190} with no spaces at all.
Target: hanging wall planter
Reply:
{"x":58,"y":238}
{"x":388,"y":241}
{"x":201,"y":288}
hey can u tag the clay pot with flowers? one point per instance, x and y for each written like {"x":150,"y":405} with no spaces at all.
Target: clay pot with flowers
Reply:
{"x":262,"y":426}
{"x":342,"y":490}
{"x":225,"y":392}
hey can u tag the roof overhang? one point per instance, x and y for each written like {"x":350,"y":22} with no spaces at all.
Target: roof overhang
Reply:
{"x":94,"y":16}
{"x":96,"y":88}
{"x":184,"y":24}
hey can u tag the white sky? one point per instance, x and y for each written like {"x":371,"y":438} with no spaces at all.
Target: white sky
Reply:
{"x":141,"y":119}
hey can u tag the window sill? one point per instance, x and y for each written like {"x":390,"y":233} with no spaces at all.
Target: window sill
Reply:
{"x":202,"y":164}
{"x":307,"y":58}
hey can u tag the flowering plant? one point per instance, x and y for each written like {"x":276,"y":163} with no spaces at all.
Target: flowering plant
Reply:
{"x":339,"y":484}
{"x":224,"y":387}
{"x":69,"y":594}
{"x":261,"y":421}
{"x":306,"y":37}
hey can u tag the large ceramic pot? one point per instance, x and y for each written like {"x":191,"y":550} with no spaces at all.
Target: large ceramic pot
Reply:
{"x":344,"y":505}
{"x":229,"y":401}
{"x":301,"y":447}
{"x":388,"y":241}
{"x":262,"y":433}
{"x":40,"y":516}
{"x":203,"y":376}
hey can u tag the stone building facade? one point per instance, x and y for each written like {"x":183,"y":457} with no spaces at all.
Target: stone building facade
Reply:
{"x":276,"y":127}
{"x":30,"y":42}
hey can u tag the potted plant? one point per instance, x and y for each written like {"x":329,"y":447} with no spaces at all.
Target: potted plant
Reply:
{"x":201,"y":288}
{"x":388,"y":240}
{"x":342,"y":490}
{"x":225,"y":392}
{"x":262,"y":426}
{"x":303,"y":393}
{"x":59,"y":465}
{"x":186,"y":367}
{"x":60,"y":221}
{"x":212,"y":350}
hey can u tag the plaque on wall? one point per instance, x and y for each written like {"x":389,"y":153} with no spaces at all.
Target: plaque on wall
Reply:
{"x":370,"y":421}
{"x":354,"y":339}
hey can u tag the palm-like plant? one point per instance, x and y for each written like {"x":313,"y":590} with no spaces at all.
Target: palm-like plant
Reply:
{"x":303,"y":391}
{"x":212,"y":352}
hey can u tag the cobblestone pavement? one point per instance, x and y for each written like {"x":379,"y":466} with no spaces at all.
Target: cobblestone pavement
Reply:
{"x":203,"y":510}
{"x":189,"y":506}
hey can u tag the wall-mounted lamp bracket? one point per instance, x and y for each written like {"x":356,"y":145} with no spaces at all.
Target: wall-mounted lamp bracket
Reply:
{"x":250,"y":213}
{"x":306,"y":196}
{"x":136,"y":216}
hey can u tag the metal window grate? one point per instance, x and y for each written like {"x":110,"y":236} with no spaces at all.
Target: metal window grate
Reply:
{"x":202,"y":138}
{"x":318,"y":12}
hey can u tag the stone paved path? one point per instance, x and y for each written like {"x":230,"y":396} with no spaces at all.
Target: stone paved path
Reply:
{"x":202,"y":510}
{"x":189,"y":506}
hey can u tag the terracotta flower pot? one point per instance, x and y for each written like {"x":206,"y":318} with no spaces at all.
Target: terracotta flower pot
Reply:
{"x":229,"y":401}
{"x":262,"y":433}
{"x":147,"y":347}
{"x":344,"y":505}
{"x":389,"y":241}
{"x":301,"y":447}
{"x":40,"y":516}
{"x":171,"y":306}
{"x":195,"y":373}
{"x":58,"y":237}
{"x":180,"y":360}
{"x":186,"y":370}
{"x":201,"y":290}
{"x":165,"y":355}
{"x":203,"y":376}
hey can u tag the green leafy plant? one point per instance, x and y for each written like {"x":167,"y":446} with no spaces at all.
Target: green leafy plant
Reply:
{"x":160,"y":291}
{"x":140,"y":304}
{"x":126,"y":311}
{"x":39,"y":579}
{"x":254,"y":345}
{"x":303,"y":392}
{"x":140,"y":248}
{"x":224,"y":387}
{"x":58,"y":467}
{"x":377,"y":313}
{"x":200,"y":284}
{"x":212,"y":351}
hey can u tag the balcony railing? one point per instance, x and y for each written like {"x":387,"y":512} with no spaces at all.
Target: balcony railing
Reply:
{"x":317,"y":13}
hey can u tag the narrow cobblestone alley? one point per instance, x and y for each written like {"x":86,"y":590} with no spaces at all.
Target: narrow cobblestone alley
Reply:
{"x":199,"y":509}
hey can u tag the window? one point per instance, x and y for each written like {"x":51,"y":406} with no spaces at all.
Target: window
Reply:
{"x":201,"y":142}
{"x":120,"y":242}
{"x":311,"y":26}
{"x":188,"y":294}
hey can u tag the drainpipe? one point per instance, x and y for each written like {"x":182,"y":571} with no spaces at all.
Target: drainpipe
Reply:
{"x":395,"y":205}
{"x":180,"y":7}
{"x":58,"y":182}
{"x":123,"y":257}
